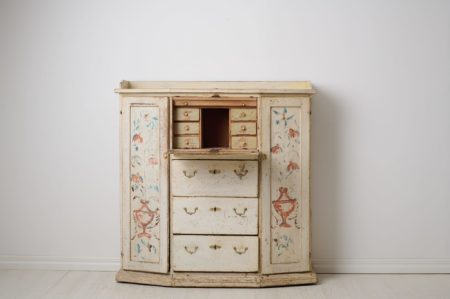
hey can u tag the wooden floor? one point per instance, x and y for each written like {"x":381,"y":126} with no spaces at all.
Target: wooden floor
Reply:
{"x":79,"y":284}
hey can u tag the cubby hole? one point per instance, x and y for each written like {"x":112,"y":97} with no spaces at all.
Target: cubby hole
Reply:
{"x":215,"y":128}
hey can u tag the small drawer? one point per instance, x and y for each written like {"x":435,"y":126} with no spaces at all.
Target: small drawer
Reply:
{"x":186,"y":128}
{"x":242,"y":114}
{"x":243,"y":142}
{"x":186,"y":142}
{"x":215,"y":253}
{"x":243,"y":129}
{"x":214,"y":178}
{"x":191,"y":114}
{"x":215,"y":215}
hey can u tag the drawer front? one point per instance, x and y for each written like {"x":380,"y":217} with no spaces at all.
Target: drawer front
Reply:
{"x":186,"y":128}
{"x":215,"y":215}
{"x":192,"y":114}
{"x":215,"y":253}
{"x":243,"y":114}
{"x":243,"y":129}
{"x":243,"y":142}
{"x":214,"y":178}
{"x":186,"y":142}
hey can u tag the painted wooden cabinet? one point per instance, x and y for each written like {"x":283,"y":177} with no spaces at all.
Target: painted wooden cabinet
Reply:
{"x":215,"y":183}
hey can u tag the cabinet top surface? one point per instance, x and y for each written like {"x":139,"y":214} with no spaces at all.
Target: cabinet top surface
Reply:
{"x":284,"y":87}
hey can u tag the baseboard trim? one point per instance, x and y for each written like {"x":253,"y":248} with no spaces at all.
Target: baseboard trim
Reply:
{"x":320,"y":265}
{"x":412,"y":266}
{"x":60,"y":263}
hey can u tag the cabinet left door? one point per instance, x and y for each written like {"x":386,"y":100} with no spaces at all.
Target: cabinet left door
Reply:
{"x":144,"y":144}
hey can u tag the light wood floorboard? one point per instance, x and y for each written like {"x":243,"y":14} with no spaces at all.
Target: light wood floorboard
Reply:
{"x":83,"y":284}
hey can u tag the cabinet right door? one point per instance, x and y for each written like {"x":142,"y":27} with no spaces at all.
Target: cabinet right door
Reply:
{"x":285,"y":131}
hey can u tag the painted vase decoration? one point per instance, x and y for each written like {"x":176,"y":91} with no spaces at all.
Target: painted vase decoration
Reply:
{"x":284,"y":206}
{"x":144,"y":217}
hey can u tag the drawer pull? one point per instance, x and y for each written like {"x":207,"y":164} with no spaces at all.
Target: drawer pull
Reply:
{"x":214,"y":171}
{"x":244,"y":145}
{"x":243,"y":128}
{"x":243,"y":114}
{"x":191,"y":212}
{"x":241,"y":171}
{"x":240,"y":250}
{"x":186,"y":113}
{"x":240,"y":214}
{"x":215,"y":209}
{"x":191,"y":250}
{"x":215,"y":247}
{"x":187,"y":128}
{"x":189,"y":175}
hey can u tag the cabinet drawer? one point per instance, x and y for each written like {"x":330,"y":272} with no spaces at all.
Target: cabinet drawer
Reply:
{"x":186,"y":128}
{"x":186,"y":142}
{"x":186,"y":114}
{"x":242,"y":114}
{"x":243,"y":129}
{"x":215,"y":215}
{"x":214,"y":178}
{"x":215,"y":253}
{"x":243,"y":142}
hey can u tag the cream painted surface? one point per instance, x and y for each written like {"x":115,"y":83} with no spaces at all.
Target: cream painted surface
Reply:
{"x":214,"y":178}
{"x":285,"y":245}
{"x":243,"y":142}
{"x":243,"y":114}
{"x":192,"y":114}
{"x":215,"y":253}
{"x":145,"y":188}
{"x":380,"y":163}
{"x":243,"y":128}
{"x":215,"y":215}
{"x":186,"y":142}
{"x":186,"y":128}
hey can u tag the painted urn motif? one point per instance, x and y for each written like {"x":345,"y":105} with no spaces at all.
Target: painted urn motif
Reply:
{"x":284,"y":206}
{"x":144,"y":217}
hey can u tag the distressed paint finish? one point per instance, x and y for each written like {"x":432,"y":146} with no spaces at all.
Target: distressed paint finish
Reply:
{"x":285,"y":166}
{"x":145,"y":184}
{"x":285,"y":123}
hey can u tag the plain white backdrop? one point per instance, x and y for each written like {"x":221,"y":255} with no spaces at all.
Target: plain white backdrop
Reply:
{"x":381,"y":125}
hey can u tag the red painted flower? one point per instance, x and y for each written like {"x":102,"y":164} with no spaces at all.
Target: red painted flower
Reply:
{"x":276,"y":149}
{"x":293,"y":133}
{"x":292,"y":166}
{"x":138,"y":138}
{"x":136,"y":178}
{"x":152,"y":161}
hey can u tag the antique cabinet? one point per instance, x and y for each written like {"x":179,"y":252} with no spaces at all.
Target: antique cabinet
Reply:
{"x":215,"y":183}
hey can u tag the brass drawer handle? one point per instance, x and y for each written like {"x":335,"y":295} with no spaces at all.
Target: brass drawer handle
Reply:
{"x":241,"y":171}
{"x":187,"y":142}
{"x":240,"y":214}
{"x":243,"y":114}
{"x":191,"y":250}
{"x":214,"y":171}
{"x":187,"y":128}
{"x":243,"y":128}
{"x":240,"y":250}
{"x":215,"y":247}
{"x":191,"y":212}
{"x":215,"y":209}
{"x":186,"y":113}
{"x":244,"y":144}
{"x":189,"y":175}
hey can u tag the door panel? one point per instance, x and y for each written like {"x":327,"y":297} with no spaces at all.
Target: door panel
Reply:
{"x":144,"y":137}
{"x":285,"y":185}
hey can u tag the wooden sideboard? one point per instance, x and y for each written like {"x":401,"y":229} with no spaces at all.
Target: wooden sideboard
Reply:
{"x":215,"y":183}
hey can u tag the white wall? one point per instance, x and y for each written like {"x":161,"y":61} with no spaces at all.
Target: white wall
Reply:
{"x":381,"y":125}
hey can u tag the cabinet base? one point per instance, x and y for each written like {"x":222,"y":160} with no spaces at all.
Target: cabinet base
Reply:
{"x":215,"y":280}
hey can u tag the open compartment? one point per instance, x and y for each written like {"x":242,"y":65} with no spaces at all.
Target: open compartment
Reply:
{"x":215,"y":128}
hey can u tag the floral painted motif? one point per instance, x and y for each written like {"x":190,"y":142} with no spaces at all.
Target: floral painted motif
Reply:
{"x":144,"y":184}
{"x":285,"y":183}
